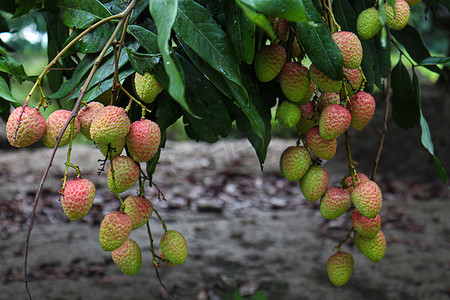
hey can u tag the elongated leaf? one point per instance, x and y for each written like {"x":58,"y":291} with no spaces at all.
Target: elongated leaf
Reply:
{"x":434,"y":60}
{"x":293,"y":10}
{"x":345,"y":15}
{"x":11,"y":66}
{"x":93,"y":41}
{"x":82,"y":13}
{"x":146,"y":38}
{"x":5,"y":92}
{"x":24,"y":7}
{"x":142,"y":62}
{"x":258,"y":19}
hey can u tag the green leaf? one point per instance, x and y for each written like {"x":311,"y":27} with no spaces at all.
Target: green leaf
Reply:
{"x":293,"y":10}
{"x":142,"y":62}
{"x":82,"y":13}
{"x":345,"y":15}
{"x":434,"y":60}
{"x":167,"y":111}
{"x":24,"y":7}
{"x":315,"y":37}
{"x":145,"y":37}
{"x":405,"y":110}
{"x":11,"y":66}
{"x":93,"y":41}
{"x":5,"y":92}
{"x":258,"y":19}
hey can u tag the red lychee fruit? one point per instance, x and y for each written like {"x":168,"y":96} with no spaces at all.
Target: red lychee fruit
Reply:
{"x":114,"y":230}
{"x":334,"y":121}
{"x":367,"y":227}
{"x":294,"y":81}
{"x":77,"y":197}
{"x":128,"y":257}
{"x":31,"y":129}
{"x":324,"y":149}
{"x":373,"y":248}
{"x":110,"y":124}
{"x":139,"y":209}
{"x":143,"y":140}
{"x":367,"y":198}
{"x":328,"y":99}
{"x":350,"y":179}
{"x":361,"y":107}
{"x":53,"y":126}
{"x":324,"y":82}
{"x":350,"y":47}
{"x":86,"y":115}
{"x":334,"y":203}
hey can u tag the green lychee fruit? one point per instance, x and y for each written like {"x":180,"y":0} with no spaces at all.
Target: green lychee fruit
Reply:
{"x":328,"y":99}
{"x":86,"y":115}
{"x":324,"y":149}
{"x":350,"y":179}
{"x":143,"y":140}
{"x":334,"y":203}
{"x":350,"y":47}
{"x":288,"y":114}
{"x":295,"y":49}
{"x":366,"y":227}
{"x":173,"y":247}
{"x":309,"y":93}
{"x":340,"y":268}
{"x":367,"y":198}
{"x":399,"y":19}
{"x":281,"y":28}
{"x":77,"y":198}
{"x":128,"y":257}
{"x":110,"y":124}
{"x":294,"y":81}
{"x":361,"y":107}
{"x":368,"y":24}
{"x":31,"y":129}
{"x":115,"y":149}
{"x":353,"y":79}
{"x":334,"y":121}
{"x":269,"y":61}
{"x":114,"y":230}
{"x":147,"y":87}
{"x":314,"y":183}
{"x":139,"y":209}
{"x":373,"y":248}
{"x":126,"y":174}
{"x":294,"y":162}
{"x":53,"y":126}
{"x":324,"y":82}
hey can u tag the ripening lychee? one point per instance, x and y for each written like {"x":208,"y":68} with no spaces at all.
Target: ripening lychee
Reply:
{"x":128,"y":257}
{"x":340,"y":268}
{"x":307,"y":109}
{"x":308,"y":118}
{"x":114,"y":230}
{"x":361,"y":107}
{"x":77,"y":197}
{"x":294,"y":81}
{"x":314,"y":183}
{"x":353,"y":79}
{"x":125,"y":175}
{"x":269,"y":61}
{"x":294,"y":162}
{"x":139,"y":209}
{"x":110,"y":124}
{"x":334,"y":203}
{"x":350,"y":47}
{"x":373,"y":248}
{"x":328,"y":99}
{"x":173,"y":248}
{"x":86,"y":115}
{"x":53,"y":126}
{"x":334,"y":121}
{"x":367,"y":198}
{"x":366,"y":227}
{"x":112,"y":150}
{"x":368,"y":24}
{"x":288,"y":114}
{"x":324,"y":82}
{"x":31,"y":129}
{"x":143,"y":140}
{"x":147,"y":87}
{"x":324,"y":149}
{"x":281,"y":28}
{"x":351,"y":181}
{"x":295,"y":49}
{"x":401,"y":18}
{"x":309,"y":93}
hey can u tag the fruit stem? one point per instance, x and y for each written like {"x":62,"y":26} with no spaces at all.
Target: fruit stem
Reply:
{"x":161,"y":220}
{"x":349,"y":154}
{"x":69,"y":151}
{"x":338,"y":246}
{"x":132,"y":99}
{"x":334,"y":26}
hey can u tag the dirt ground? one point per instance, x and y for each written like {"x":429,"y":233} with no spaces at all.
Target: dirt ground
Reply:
{"x":246,"y":230}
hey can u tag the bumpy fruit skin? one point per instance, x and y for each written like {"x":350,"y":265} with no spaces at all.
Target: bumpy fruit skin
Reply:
{"x":269,"y":61}
{"x":31,"y":129}
{"x":328,"y":99}
{"x":402,"y":13}
{"x":143,"y":140}
{"x":139,"y":209}
{"x":314,"y":183}
{"x":340,"y":268}
{"x":77,"y":198}
{"x":366,"y":227}
{"x":86,"y":115}
{"x":308,"y":118}
{"x":309,"y":92}
{"x":350,"y":47}
{"x":173,"y":247}
{"x":53,"y":126}
{"x":324,"y":149}
{"x":348,"y":181}
{"x":362,"y":107}
{"x":115,"y":148}
{"x":373,"y":248}
{"x":368,"y":24}
{"x":294,"y":162}
{"x":367,"y":198}
{"x":353,"y":78}
{"x":281,"y":28}
{"x":126,"y":174}
{"x":114,"y":230}
{"x":110,"y":124}
{"x":288,"y":114}
{"x":334,"y":203}
{"x":147,"y":87}
{"x":334,"y":121}
{"x":128,"y":257}
{"x":294,"y":81}
{"x":324,"y":82}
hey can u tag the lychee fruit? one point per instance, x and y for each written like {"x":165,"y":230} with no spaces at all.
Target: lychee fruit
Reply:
{"x":309,"y":93}
{"x":114,"y":230}
{"x":368,"y":24}
{"x":361,"y":107}
{"x":324,"y":149}
{"x":400,"y":19}
{"x":269,"y":61}
{"x":353,"y":79}
{"x":25,"y":126}
{"x":324,"y":82}
{"x":294,"y":162}
{"x":350,"y":47}
{"x":126,"y":174}
{"x":334,"y":121}
{"x":340,"y":268}
{"x":281,"y":28}
{"x":128,"y":257}
{"x":373,"y":248}
{"x":314,"y":183}
{"x":308,"y":118}
{"x":334,"y":203}
{"x":53,"y":126}
{"x":139,"y":209}
{"x":147,"y":87}
{"x":86,"y":115}
{"x":350,"y":179}
{"x":328,"y":99}
{"x":143,"y":140}
{"x":366,"y":227}
{"x":173,"y":247}
{"x":367,"y":198}
{"x":288,"y":114}
{"x":110,"y":124}
{"x":77,"y":197}
{"x":115,"y":149}
{"x":294,"y":81}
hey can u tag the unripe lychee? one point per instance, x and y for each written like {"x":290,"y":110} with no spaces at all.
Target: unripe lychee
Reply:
{"x":328,"y":99}
{"x":334,"y":121}
{"x":53,"y":126}
{"x":373,"y":248}
{"x":77,"y":198}
{"x":126,"y":174}
{"x":361,"y":107}
{"x":324,"y":82}
{"x":308,"y":118}
{"x":368,"y":24}
{"x":350,"y":47}
{"x":110,"y":124}
{"x":288,"y":114}
{"x":128,"y":257}
{"x":324,"y":149}
{"x":309,"y":93}
{"x":367,"y":198}
{"x":115,"y":149}
{"x":269,"y":61}
{"x":366,"y":227}
{"x":86,"y":115}
{"x":340,"y":268}
{"x":143,"y":140}
{"x":173,"y":247}
{"x":294,"y":162}
{"x":281,"y":28}
{"x":295,"y":49}
{"x":401,"y":18}
{"x":334,"y":203}
{"x":294,"y":81}
{"x":114,"y":230}
{"x":314,"y":183}
{"x":147,"y":87}
{"x":353,"y":79}
{"x":31,"y":129}
{"x":139,"y":209}
{"x":350,"y":179}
